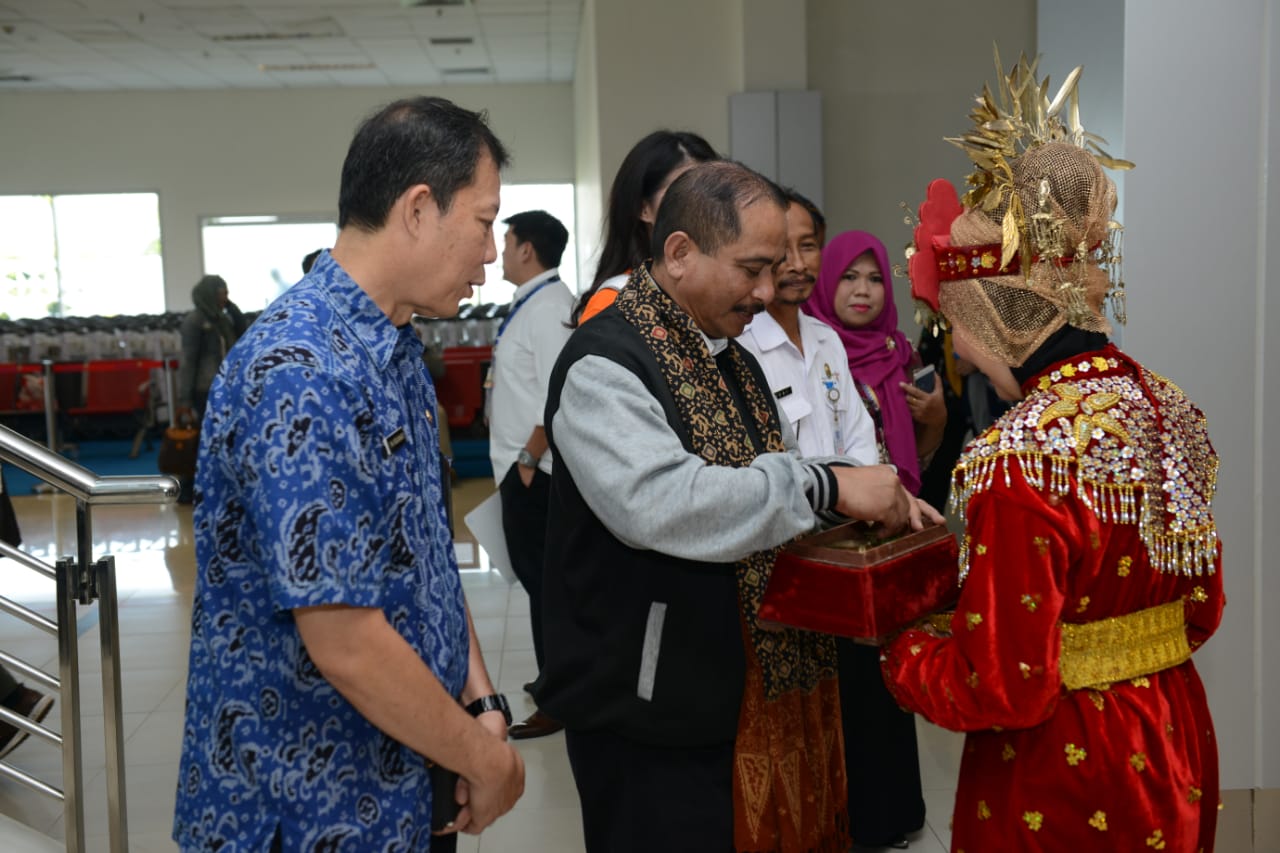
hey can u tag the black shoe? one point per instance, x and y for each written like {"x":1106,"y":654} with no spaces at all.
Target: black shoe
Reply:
{"x":29,"y":703}
{"x":537,"y":725}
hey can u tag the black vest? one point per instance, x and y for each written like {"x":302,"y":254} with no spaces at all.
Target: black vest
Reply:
{"x":598,"y":594}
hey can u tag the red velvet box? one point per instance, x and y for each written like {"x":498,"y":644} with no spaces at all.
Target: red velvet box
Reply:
{"x":851,"y":582}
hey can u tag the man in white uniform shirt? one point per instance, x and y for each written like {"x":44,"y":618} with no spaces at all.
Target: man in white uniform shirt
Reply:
{"x":529,"y":341}
{"x":803,"y":358}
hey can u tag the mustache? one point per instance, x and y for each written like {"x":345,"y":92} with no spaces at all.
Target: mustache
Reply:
{"x":751,"y":308}
{"x":803,"y":278}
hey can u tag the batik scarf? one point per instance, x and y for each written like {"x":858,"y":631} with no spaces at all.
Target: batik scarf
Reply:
{"x":789,"y":786}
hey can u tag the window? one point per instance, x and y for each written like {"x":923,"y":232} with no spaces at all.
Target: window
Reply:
{"x":556,"y":199}
{"x":80,"y":255}
{"x":261,"y":256}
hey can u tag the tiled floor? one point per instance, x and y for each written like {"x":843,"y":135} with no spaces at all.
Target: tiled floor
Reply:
{"x":155,"y":569}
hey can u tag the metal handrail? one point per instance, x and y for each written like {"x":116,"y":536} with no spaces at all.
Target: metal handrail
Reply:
{"x":80,"y":580}
{"x":80,"y":482}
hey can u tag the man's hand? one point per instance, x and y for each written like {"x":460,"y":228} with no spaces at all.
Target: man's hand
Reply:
{"x":526,"y":474}
{"x":366,"y":660}
{"x":872,"y":493}
{"x":492,"y":791}
{"x":922,"y":513}
{"x":495,"y":722}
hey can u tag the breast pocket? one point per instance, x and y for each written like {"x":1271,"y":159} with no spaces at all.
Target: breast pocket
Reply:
{"x":794,"y":408}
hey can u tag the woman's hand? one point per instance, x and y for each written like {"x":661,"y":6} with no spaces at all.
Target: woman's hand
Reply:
{"x":927,"y":407}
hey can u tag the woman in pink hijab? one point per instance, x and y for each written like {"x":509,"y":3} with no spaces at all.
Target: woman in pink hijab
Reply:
{"x":854,"y":295}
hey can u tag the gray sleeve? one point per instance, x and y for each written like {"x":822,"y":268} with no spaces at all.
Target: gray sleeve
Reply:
{"x":634,"y":473}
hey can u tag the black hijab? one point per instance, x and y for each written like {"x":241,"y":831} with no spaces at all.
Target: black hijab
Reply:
{"x":227,"y":320}
{"x":1060,"y":346}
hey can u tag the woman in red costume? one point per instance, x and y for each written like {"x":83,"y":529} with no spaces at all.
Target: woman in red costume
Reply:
{"x":1090,"y":562}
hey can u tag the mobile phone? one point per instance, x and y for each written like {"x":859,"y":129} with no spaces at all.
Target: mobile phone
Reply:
{"x":924,"y":378}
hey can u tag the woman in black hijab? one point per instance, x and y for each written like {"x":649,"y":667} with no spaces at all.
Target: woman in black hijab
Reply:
{"x":208,"y":331}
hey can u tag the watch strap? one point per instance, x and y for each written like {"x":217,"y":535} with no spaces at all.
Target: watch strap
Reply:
{"x":525,"y":458}
{"x":492,"y":702}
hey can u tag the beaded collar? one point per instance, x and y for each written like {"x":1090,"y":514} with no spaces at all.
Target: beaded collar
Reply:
{"x":1126,"y":441}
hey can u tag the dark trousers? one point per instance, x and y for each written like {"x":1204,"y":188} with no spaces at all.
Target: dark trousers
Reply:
{"x":187,"y":485}
{"x":638,"y":798}
{"x":524,"y":523}
{"x":8,"y":684}
{"x":9,"y":532}
{"x":880,"y":751}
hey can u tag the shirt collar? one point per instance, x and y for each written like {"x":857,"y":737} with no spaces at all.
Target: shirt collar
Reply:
{"x":820,"y":331}
{"x":715,"y":346}
{"x":768,"y":333}
{"x":532,"y":283}
{"x":357,"y":311}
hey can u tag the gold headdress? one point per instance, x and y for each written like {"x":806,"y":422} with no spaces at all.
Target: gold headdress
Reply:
{"x":1024,"y":253}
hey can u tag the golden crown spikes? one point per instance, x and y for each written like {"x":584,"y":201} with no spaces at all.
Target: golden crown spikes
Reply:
{"x":1021,"y":116}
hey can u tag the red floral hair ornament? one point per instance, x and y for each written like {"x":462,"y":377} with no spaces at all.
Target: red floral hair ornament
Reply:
{"x":939,"y":209}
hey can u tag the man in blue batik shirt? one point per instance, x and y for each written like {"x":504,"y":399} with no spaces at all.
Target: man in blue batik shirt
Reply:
{"x":332,"y":653}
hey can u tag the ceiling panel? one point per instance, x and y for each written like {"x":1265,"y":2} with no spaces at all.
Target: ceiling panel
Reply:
{"x":126,"y":44}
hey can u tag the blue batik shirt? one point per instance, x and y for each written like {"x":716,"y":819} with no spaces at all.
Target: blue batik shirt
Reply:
{"x":318,"y":483}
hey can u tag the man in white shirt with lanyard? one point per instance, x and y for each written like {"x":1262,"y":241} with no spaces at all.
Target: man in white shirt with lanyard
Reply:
{"x":529,"y":341}
{"x":802,"y":358}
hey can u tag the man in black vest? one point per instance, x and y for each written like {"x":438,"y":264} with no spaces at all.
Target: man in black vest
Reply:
{"x":675,"y":482}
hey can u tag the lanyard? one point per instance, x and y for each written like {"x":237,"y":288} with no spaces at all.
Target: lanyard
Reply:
{"x":520,"y":304}
{"x":833,"y":400}
{"x":488,"y":379}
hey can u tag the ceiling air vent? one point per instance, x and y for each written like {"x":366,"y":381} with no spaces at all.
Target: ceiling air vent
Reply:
{"x":451,"y":41}
{"x":319,"y":66}
{"x":268,"y":37}
{"x":313,"y":28}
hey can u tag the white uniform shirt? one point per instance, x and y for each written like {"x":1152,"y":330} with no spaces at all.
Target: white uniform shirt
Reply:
{"x":522,"y":360}
{"x":813,"y":389}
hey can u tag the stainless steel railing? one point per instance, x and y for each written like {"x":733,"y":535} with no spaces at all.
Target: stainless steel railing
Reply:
{"x":79,"y":580}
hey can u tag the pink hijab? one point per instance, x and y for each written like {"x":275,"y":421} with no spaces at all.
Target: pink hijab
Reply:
{"x":879,"y":353}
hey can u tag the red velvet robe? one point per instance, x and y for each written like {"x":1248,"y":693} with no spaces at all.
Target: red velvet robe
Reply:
{"x":1131,"y":766}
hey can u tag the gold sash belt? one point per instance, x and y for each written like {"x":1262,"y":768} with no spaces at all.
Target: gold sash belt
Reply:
{"x":1097,"y":654}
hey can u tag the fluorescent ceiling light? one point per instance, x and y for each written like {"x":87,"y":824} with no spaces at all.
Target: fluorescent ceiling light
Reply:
{"x":243,"y":220}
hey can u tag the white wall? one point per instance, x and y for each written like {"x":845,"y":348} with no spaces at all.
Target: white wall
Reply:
{"x":641,"y":67}
{"x":240,"y":152}
{"x":1200,"y":88}
{"x":1266,"y":581}
{"x":895,"y":79}
{"x":774,"y":45}
{"x":1088,"y":33}
{"x":590,"y":188}
{"x":665,"y":63}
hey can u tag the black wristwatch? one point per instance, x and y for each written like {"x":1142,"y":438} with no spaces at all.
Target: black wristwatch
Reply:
{"x":493,"y":702}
